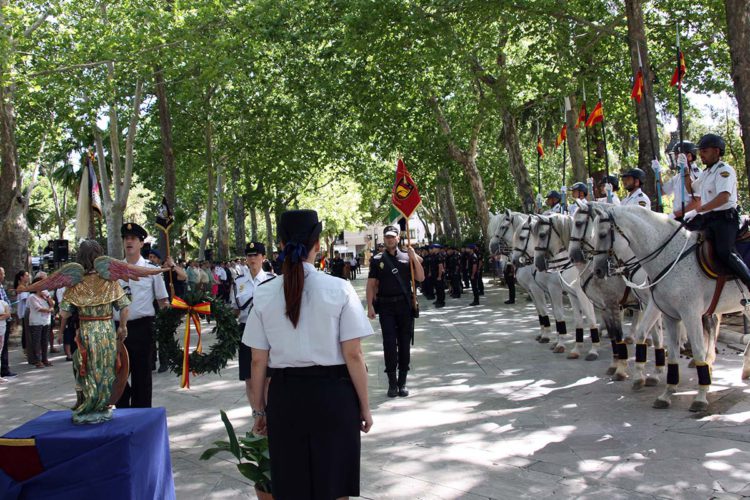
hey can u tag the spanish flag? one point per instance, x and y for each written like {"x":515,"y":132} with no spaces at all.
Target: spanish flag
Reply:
{"x":679,"y":72}
{"x":637,"y":92}
{"x":596,"y":116}
{"x":581,"y":116}
{"x":561,"y":136}
{"x":539,"y":148}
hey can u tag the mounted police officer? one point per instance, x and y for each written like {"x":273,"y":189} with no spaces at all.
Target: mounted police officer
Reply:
{"x":553,"y":202}
{"x":389,"y":296}
{"x":608,"y":187}
{"x":674,"y":186}
{"x":242,"y":293}
{"x":580,"y":191}
{"x":633,"y":180}
{"x":717,"y":213}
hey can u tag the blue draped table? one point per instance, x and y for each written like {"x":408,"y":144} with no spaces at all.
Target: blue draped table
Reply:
{"x":125,"y":458}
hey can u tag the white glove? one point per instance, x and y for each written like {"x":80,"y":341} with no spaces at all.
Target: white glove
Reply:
{"x":656,"y":167}
{"x":682,"y":163}
{"x":608,"y":187}
{"x":671,"y":216}
{"x":690,"y":215}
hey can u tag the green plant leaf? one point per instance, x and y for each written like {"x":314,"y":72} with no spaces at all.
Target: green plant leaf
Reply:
{"x":234,"y":446}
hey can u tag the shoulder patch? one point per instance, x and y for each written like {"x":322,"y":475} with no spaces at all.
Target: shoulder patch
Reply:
{"x":382,"y":265}
{"x":642,"y":203}
{"x":724,"y":174}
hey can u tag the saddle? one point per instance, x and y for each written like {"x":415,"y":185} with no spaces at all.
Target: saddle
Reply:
{"x":708,"y":262}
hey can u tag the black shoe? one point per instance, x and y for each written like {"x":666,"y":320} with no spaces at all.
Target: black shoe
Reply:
{"x":438,"y":305}
{"x":392,"y":385}
{"x":510,"y":301}
{"x":475,"y":303}
{"x":8,"y":374}
{"x":403,"y":391}
{"x":481,"y":293}
{"x":162,"y":368}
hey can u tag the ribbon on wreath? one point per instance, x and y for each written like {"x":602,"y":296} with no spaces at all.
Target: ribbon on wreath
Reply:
{"x":192,"y":312}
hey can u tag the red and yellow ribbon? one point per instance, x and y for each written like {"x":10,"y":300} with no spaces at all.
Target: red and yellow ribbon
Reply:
{"x":193,"y":312}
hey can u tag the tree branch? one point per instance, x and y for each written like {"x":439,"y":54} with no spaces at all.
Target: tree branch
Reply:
{"x":130,"y":141}
{"x":37,"y":23}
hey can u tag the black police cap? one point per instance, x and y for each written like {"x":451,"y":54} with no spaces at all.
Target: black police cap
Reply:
{"x":255,"y":248}
{"x":133,"y":229}
{"x":635,"y":173}
{"x":712,"y":141}
{"x":554,"y":194}
{"x":299,"y":226}
{"x":391,"y":231}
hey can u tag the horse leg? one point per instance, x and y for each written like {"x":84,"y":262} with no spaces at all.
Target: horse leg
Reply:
{"x":695,"y":331}
{"x":590,"y":313}
{"x":647,"y":321}
{"x":555,"y":295}
{"x":614,"y":328}
{"x":673,"y":369}
{"x":575,"y":353}
{"x":630,"y":337}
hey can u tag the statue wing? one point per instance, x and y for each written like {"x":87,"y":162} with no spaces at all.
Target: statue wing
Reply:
{"x":67,"y":276}
{"x":113,"y":269}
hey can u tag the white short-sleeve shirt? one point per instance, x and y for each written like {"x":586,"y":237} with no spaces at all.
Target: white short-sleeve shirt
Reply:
{"x":674,"y":186}
{"x":143,"y":293}
{"x":615,"y":199}
{"x":637,"y":198}
{"x":716,"y":179}
{"x":243,"y":290}
{"x":4,"y":309}
{"x":331,"y":313}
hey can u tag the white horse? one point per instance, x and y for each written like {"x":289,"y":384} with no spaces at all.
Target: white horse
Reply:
{"x":524,"y":242}
{"x":552,"y":235}
{"x":502,"y":228}
{"x":610,"y":296}
{"x":666,"y":251}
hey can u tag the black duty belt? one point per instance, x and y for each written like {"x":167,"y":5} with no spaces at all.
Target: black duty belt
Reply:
{"x":333,"y":371}
{"x":390,"y":300}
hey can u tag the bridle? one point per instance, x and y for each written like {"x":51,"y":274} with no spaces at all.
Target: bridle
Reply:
{"x":552,"y":263}
{"x":507,"y":224}
{"x":582,"y":241}
{"x":525,"y":250}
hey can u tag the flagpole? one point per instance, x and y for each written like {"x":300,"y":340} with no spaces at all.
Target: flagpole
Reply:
{"x":171,"y":284}
{"x":604,"y":140}
{"x":538,"y":170}
{"x":679,"y":111}
{"x":657,"y":176}
{"x":590,"y":180}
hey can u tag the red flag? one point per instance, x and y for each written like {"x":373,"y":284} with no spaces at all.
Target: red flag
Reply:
{"x":679,"y":72}
{"x":561,"y":136}
{"x":637,"y":92}
{"x":539,"y":148}
{"x":405,"y":195}
{"x":96,"y":197}
{"x":596,"y":116}
{"x":581,"y":116}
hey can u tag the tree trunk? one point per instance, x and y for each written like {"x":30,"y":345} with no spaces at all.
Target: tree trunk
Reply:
{"x":448,"y":206}
{"x":577,"y":157}
{"x":253,"y":224}
{"x":515,"y":160}
{"x":222,"y":237}
{"x":167,"y":147}
{"x":648,"y":140}
{"x":269,"y":230}
{"x":238,"y":213}
{"x":211,"y":188}
{"x":738,"y":28}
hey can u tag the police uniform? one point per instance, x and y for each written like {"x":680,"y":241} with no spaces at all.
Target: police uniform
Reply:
{"x":556,"y":209}
{"x":428,"y":285}
{"x":312,"y":410}
{"x":637,"y":197}
{"x":241,"y":299}
{"x":453,"y":264}
{"x":474,"y":264}
{"x":337,"y":267}
{"x":674,"y":186}
{"x":139,"y":342}
{"x":614,"y":201}
{"x":437,"y":270}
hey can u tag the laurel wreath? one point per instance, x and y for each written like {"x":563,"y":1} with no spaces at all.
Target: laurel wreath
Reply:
{"x":226,"y":329}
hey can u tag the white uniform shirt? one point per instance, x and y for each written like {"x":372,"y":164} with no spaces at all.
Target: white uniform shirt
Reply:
{"x":331,"y":313}
{"x":615,"y":199}
{"x":221,"y":273}
{"x":4,"y":309}
{"x":142,"y":293}
{"x":243,"y":290}
{"x":717,"y":179}
{"x":674,"y":187}
{"x":636,"y":197}
{"x":556,"y":209}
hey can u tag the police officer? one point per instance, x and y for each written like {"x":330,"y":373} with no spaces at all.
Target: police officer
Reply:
{"x":674,"y":186}
{"x":242,"y":293}
{"x":632,"y":181}
{"x":453,"y":266}
{"x":480,"y":269}
{"x":337,"y":266}
{"x":608,"y":187}
{"x":473,"y":261}
{"x":465,"y":267}
{"x":389,"y":296}
{"x":139,"y":342}
{"x":428,"y":284}
{"x":580,"y":191}
{"x":717,"y":213}
{"x":437,"y":269}
{"x":306,"y":328}
{"x":553,"y":203}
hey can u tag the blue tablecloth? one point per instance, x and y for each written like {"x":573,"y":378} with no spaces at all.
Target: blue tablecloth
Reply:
{"x":125,"y":458}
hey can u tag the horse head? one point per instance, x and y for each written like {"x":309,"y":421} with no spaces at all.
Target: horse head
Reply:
{"x":604,"y":239}
{"x":522,"y":242}
{"x":495,"y":230}
{"x":581,"y":232}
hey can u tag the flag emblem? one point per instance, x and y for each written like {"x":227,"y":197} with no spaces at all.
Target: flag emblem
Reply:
{"x":405,"y":195}
{"x":637,"y":92}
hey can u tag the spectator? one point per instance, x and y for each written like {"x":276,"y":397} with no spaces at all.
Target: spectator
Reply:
{"x":39,"y":314}
{"x":4,"y":316}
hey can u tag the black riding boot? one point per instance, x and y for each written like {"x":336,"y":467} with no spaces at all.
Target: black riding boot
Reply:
{"x":402,"y":389}
{"x":738,"y":266}
{"x":392,"y":385}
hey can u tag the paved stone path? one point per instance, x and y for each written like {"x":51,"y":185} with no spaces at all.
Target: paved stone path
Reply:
{"x":492,"y":414}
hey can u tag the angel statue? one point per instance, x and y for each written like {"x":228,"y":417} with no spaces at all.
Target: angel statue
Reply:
{"x":100,"y":364}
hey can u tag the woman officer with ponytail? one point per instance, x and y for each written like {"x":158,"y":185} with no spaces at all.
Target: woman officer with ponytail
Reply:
{"x":304,"y":330}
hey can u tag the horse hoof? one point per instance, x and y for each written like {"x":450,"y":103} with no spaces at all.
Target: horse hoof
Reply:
{"x":745,"y":374}
{"x":573,"y":355}
{"x":698,"y":406}
{"x":629,"y":340}
{"x":691,"y":364}
{"x":638,"y":384}
{"x":611,"y":370}
{"x":592,"y":356}
{"x":649,"y":342}
{"x":544,"y":340}
{"x":559,"y":349}
{"x":660,"y":404}
{"x":620,"y":377}
{"x":652,"y":381}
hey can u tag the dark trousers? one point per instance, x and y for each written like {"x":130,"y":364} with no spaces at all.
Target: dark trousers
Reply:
{"x":137,"y":393}
{"x":4,"y":364}
{"x":480,"y":283}
{"x":245,"y":357}
{"x":440,"y":291}
{"x":39,"y":343}
{"x":475,"y":287}
{"x":397,"y":326}
{"x":466,"y":279}
{"x":428,"y":287}
{"x":456,"y":287}
{"x":511,"y":282}
{"x":721,"y":227}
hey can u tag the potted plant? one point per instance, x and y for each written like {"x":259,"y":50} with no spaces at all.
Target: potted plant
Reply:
{"x":253,"y":449}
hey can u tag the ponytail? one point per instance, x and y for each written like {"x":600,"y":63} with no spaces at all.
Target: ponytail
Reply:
{"x":293,"y":256}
